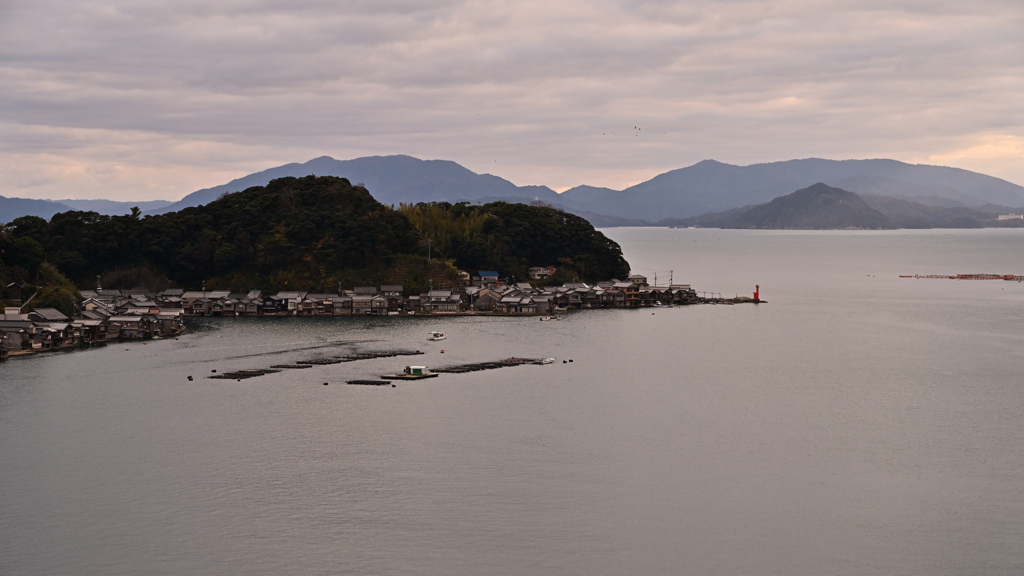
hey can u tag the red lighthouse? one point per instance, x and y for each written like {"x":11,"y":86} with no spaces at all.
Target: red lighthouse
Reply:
{"x":757,"y":292}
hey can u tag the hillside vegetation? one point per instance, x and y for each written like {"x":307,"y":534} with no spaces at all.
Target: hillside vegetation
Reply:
{"x":309,"y":233}
{"x":510,"y":238}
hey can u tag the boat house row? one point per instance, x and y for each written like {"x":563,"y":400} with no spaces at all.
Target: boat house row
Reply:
{"x":485,"y":292}
{"x":101,"y":319}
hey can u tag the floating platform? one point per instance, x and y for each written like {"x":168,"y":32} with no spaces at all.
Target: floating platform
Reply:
{"x":475,"y":367}
{"x":359,"y":356}
{"x":369,"y":382}
{"x":243,"y":374}
{"x":302,"y":364}
{"x":1010,"y":277}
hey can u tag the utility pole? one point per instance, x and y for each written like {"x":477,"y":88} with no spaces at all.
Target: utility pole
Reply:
{"x":428,"y":248}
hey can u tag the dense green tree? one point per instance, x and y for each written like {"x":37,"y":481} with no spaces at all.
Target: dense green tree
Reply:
{"x":311,"y":233}
{"x":511,"y":238}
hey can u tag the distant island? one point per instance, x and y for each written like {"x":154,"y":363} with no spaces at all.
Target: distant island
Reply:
{"x":823,"y":207}
{"x":816,"y":207}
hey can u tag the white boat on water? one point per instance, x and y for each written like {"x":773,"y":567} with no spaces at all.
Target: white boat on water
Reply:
{"x":436,"y":336}
{"x":549,"y":318}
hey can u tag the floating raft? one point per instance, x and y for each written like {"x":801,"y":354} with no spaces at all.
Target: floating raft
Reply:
{"x":463,"y":368}
{"x":369,"y":382}
{"x":243,"y":374}
{"x":1011,"y":277}
{"x":252,"y":373}
{"x":359,"y":356}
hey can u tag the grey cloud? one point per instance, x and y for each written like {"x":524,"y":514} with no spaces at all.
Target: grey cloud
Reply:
{"x":738,"y":80}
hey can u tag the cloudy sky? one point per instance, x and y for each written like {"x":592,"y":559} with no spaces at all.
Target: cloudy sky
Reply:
{"x":148,"y":99}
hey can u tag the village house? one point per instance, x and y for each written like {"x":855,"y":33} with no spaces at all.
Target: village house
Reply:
{"x":414,"y":303}
{"x":91,"y":330}
{"x":14,"y":293}
{"x":482,"y":299}
{"x":443,"y":301}
{"x":516,"y":303}
{"x":17,"y":334}
{"x":317,"y":305}
{"x":488,"y":279}
{"x":282,"y":302}
{"x":541,"y":272}
{"x":169,"y":322}
{"x":362,"y":304}
{"x":343,"y":305}
{"x":393,"y":294}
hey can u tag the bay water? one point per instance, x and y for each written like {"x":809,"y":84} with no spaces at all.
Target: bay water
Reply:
{"x":857,"y":423}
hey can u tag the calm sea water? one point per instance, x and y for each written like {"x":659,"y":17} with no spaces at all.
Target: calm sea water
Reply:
{"x":857,"y":424}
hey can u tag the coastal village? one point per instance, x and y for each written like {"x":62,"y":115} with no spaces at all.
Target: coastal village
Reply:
{"x":106,"y":315}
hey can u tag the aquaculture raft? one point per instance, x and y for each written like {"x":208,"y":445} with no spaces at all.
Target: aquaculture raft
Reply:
{"x":359,"y":356}
{"x":369,"y":382}
{"x":252,"y":373}
{"x":243,"y":374}
{"x":463,"y":368}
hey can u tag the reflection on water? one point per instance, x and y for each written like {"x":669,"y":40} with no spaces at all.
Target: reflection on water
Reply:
{"x":857,"y":424}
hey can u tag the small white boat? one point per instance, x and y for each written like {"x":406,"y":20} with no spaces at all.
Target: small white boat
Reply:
{"x":547,"y":361}
{"x":548,"y":318}
{"x":436,"y":336}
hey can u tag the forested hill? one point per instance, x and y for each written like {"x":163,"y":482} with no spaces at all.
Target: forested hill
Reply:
{"x":814,"y":208}
{"x":305,"y":234}
{"x":510,"y":238}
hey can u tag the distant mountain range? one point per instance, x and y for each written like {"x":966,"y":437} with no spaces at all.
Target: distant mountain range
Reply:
{"x":113,"y":207}
{"x":12,"y":208}
{"x":711,"y":186}
{"x":821,"y":206}
{"x":390,"y":179}
{"x":706,"y":187}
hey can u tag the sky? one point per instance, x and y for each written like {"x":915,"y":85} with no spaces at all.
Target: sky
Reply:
{"x":154,"y":99}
